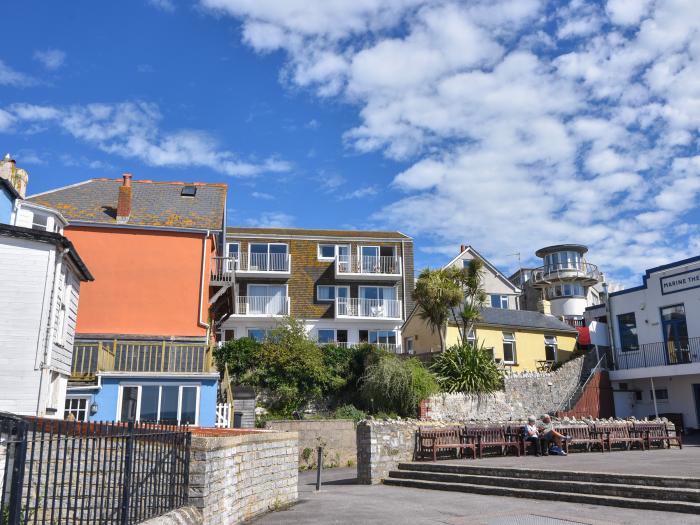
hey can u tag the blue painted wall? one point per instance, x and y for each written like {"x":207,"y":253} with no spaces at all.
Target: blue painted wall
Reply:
{"x":6,"y":203}
{"x":106,"y":398}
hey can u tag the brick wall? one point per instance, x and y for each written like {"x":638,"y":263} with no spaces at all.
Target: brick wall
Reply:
{"x":337,"y":436}
{"x":236,"y":477}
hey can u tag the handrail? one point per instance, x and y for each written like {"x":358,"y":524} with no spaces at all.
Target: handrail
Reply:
{"x":262,"y":305}
{"x":368,"y":308}
{"x":545,"y":273}
{"x":368,"y":264}
{"x":663,"y":353}
{"x":581,"y":387}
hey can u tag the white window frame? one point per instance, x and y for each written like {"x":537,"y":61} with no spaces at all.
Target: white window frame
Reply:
{"x":160,"y":386}
{"x":555,"y":344}
{"x":335,"y":335}
{"x":41,"y":227}
{"x":512,"y":342}
{"x":78,"y":398}
{"x":365,"y":287}
{"x":335,"y":292}
{"x":267,"y":330}
{"x":409,"y":343}
{"x":267,"y":265}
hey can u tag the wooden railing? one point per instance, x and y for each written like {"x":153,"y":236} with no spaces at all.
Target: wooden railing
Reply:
{"x":90,"y":357}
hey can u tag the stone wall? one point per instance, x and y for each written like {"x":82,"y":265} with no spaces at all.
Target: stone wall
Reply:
{"x":237,"y":475}
{"x":527,"y":393}
{"x":337,"y":436}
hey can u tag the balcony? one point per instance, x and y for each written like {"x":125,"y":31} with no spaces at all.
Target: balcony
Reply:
{"x":368,"y":267}
{"x":262,"y":306}
{"x":276,"y":265}
{"x":582,"y":272}
{"x":389,"y":347}
{"x":378,"y":309}
{"x":660,"y":354}
{"x":164,"y":357}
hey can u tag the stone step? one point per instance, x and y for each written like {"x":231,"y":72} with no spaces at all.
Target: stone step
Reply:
{"x":561,"y":475}
{"x":610,"y":501}
{"x":579,"y":487}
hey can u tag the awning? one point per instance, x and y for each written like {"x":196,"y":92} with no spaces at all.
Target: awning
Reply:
{"x":584,"y":336}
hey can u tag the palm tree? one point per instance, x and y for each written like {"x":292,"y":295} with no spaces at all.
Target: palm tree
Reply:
{"x":436,"y":294}
{"x":469,"y":279}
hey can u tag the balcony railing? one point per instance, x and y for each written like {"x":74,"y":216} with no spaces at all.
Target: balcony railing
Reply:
{"x":389,"y":347}
{"x":365,"y":265}
{"x":562,"y":271}
{"x":368,"y":308}
{"x":660,"y":354}
{"x":262,"y":305}
{"x":223,"y":268}
{"x":139,"y":356}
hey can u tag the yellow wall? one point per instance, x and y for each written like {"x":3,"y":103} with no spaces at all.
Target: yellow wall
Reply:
{"x":529,"y":343}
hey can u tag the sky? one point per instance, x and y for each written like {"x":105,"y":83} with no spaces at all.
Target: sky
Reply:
{"x":505,"y":124}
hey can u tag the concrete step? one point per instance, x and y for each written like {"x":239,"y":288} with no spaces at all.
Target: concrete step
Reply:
{"x":561,"y":475}
{"x":578,"y":487}
{"x":611,"y":501}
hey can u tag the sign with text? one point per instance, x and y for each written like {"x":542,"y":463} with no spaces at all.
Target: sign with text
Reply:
{"x":680,"y":281}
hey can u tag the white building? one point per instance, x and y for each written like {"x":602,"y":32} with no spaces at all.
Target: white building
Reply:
{"x":655,"y":329}
{"x":40,"y":276}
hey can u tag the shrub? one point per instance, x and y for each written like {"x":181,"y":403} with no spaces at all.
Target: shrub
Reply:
{"x":240,"y":355}
{"x":349,"y":412}
{"x":396,"y":385}
{"x":466,"y":368}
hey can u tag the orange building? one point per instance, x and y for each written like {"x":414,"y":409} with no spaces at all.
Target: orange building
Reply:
{"x":151,"y":308}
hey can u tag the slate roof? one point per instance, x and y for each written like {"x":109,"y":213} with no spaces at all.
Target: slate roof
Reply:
{"x":523,"y":319}
{"x":56,"y":239}
{"x":303,"y":232}
{"x":156,"y":204}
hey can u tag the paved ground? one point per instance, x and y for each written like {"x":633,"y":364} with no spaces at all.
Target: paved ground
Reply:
{"x":342,"y":501}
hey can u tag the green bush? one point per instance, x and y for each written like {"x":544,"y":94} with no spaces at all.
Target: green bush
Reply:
{"x":468,"y":369}
{"x":240,"y":355}
{"x":396,"y":385}
{"x":349,"y":412}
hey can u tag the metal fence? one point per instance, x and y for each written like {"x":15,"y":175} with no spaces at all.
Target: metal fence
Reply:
{"x":661,"y":354}
{"x":65,"y":472}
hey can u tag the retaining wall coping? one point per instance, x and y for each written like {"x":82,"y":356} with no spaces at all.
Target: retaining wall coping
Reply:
{"x":209,"y":443}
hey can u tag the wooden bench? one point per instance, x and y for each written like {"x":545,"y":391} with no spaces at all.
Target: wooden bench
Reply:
{"x":430,"y":440}
{"x":620,"y":433}
{"x":657,"y":433}
{"x":582,"y":435}
{"x":495,"y":436}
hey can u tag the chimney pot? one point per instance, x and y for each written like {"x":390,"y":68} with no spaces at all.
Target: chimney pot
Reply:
{"x":462,"y":247}
{"x":127,"y":180}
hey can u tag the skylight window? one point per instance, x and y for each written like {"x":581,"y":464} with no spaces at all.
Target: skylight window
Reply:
{"x":189,"y":191}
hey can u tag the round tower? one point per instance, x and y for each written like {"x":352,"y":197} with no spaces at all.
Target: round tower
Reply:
{"x":565,"y":279}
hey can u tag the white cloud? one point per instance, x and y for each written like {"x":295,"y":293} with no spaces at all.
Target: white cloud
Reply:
{"x":11,"y":77}
{"x":262,"y":195}
{"x":131,"y":130}
{"x":520,"y":124}
{"x":51,"y":59}
{"x":271,"y":220}
{"x":360,"y":193}
{"x":163,"y":5}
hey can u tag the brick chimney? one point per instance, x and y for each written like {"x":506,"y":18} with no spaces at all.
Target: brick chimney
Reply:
{"x":17,"y":177}
{"x":124,"y":201}
{"x":462,"y":247}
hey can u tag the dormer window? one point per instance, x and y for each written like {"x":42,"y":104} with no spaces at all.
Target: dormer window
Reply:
{"x":189,"y":191}
{"x":40,"y":221}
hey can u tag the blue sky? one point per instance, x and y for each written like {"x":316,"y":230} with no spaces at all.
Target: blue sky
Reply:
{"x":505,"y":124}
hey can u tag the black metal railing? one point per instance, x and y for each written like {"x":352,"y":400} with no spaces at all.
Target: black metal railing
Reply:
{"x":660,"y":354}
{"x":66,"y":472}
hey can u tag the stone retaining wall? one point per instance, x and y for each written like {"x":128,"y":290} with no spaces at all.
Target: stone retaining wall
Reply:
{"x":235,"y":476}
{"x":182,"y":516}
{"x":527,"y":393}
{"x":337,"y":436}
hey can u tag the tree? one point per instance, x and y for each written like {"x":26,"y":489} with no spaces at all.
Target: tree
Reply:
{"x":469,"y":279}
{"x":241,"y":356}
{"x":436,"y":294}
{"x":468,"y":369}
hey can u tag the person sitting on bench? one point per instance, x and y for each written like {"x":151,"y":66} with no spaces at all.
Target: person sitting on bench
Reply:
{"x":547,"y":431}
{"x":532,"y":435}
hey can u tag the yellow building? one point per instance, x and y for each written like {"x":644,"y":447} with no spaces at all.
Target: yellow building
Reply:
{"x":520,"y":339}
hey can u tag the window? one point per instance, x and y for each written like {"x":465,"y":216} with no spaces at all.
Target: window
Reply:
{"x":267,"y":299}
{"x":328,"y":252}
{"x":638,"y":395}
{"x":378,"y":337}
{"x":509,"y":348}
{"x":325,"y":292}
{"x":76,"y":409}
{"x":661,"y":394}
{"x":259,"y":334}
{"x":40,"y":221}
{"x":628,"y":332}
{"x":326,"y":336}
{"x":550,"y":347}
{"x":233,"y":250}
{"x":499,"y":301}
{"x":268,"y":257}
{"x":166,"y":404}
{"x":623,"y":386}
{"x":189,"y":191}
{"x":471,"y":336}
{"x":408,"y":343}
